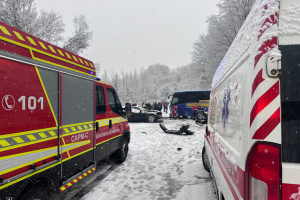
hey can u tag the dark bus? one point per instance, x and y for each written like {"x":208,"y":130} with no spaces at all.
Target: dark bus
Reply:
{"x":184,"y":102}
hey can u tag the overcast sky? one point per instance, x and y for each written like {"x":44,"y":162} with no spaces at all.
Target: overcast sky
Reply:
{"x":130,"y":34}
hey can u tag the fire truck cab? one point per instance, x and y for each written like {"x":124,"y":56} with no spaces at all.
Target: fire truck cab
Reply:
{"x":252,"y":146}
{"x":57,"y":120}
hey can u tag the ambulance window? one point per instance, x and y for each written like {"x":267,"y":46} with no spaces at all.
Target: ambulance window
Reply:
{"x":100,"y":101}
{"x":114,"y":102}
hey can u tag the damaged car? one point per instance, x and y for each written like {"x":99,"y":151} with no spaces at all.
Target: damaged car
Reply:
{"x":140,"y":114}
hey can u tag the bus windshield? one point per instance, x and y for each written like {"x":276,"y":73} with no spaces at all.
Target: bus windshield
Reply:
{"x":190,"y":97}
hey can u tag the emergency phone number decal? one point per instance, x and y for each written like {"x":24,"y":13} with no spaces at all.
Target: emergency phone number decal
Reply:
{"x":31,"y":103}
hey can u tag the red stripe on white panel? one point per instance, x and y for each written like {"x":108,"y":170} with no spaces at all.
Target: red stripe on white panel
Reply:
{"x":268,"y":126}
{"x":264,"y":101}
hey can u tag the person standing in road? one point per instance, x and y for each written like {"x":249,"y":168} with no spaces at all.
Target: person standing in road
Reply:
{"x":195,"y":109}
{"x":165,"y":107}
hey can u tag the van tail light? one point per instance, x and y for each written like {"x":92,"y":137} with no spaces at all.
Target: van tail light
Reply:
{"x":263,"y":172}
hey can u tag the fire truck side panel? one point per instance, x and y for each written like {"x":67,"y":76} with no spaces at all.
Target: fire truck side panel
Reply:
{"x":29,"y":139}
{"x":77,"y":124}
{"x":51,"y":84}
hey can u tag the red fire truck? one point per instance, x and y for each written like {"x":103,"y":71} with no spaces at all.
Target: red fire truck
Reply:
{"x":57,"y":120}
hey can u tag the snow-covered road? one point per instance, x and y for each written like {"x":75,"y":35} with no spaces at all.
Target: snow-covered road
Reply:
{"x":159,"y":166}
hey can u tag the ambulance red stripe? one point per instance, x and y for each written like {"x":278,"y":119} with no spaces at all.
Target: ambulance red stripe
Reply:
{"x":268,"y":126}
{"x":264,"y":101}
{"x":265,"y":47}
{"x":258,"y":80}
{"x":271,"y":20}
{"x":234,"y":193}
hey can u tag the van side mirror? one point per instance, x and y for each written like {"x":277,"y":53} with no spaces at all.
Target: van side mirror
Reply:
{"x":128,"y":110}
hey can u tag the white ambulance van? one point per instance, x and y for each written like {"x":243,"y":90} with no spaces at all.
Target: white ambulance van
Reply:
{"x":252,"y":141}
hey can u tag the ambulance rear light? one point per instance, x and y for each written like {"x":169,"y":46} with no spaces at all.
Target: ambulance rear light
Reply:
{"x":263,"y":170}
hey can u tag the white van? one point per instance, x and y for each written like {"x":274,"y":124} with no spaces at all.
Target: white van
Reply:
{"x":252,"y":142}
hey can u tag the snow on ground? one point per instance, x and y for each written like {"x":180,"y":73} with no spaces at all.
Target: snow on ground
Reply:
{"x":159,"y":166}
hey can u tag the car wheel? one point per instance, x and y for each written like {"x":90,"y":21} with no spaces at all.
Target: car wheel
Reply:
{"x":151,"y":118}
{"x":123,"y":152}
{"x":36,"y":193}
{"x":205,"y":160}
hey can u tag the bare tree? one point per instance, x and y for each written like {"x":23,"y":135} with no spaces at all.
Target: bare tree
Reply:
{"x":49,"y":26}
{"x":20,"y":14}
{"x":81,"y":37}
{"x":209,"y":49}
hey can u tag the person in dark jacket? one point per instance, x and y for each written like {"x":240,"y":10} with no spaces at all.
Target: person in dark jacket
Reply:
{"x":195,"y":109}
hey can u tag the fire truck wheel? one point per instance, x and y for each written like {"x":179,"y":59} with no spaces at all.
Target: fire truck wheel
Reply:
{"x":205,"y":160}
{"x":151,"y":118}
{"x":36,"y":193}
{"x":122,"y":155}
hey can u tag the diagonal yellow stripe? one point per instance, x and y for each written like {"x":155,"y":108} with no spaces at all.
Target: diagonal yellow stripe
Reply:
{"x":18,"y":140}
{"x":4,"y":30}
{"x":4,"y":143}
{"x":31,"y":41}
{"x":75,"y":58}
{"x":51,"y":48}
{"x":68,"y":55}
{"x":43,"y":135}
{"x":42,"y":45}
{"x":52,"y":133}
{"x":19,"y":36}
{"x":60,"y":52}
{"x":31,"y":137}
{"x":46,"y":95}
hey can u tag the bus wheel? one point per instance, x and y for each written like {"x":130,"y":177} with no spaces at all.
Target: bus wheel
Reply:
{"x":36,"y":193}
{"x":123,"y":152}
{"x":205,"y":160}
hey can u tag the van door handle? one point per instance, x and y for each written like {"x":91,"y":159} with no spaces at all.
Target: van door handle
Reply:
{"x":97,"y":126}
{"x":110,"y":123}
